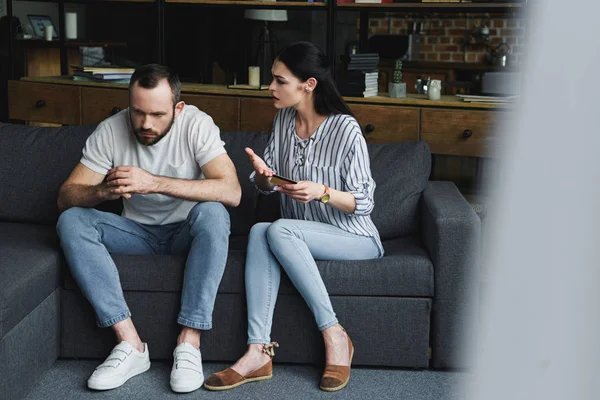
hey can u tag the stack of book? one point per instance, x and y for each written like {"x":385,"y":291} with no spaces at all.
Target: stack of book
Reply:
{"x":360,"y":75}
{"x":106,"y":73}
{"x":488,"y":99}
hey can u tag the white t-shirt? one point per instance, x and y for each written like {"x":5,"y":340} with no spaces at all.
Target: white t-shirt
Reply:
{"x":193,"y":141}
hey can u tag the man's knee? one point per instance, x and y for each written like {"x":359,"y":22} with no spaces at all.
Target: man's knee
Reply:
{"x":210,"y":214}
{"x":72,"y":219}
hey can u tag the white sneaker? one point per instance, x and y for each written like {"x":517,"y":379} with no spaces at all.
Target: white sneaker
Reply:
{"x":186,"y":375}
{"x":123,"y":362}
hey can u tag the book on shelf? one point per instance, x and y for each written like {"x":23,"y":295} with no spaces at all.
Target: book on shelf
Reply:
{"x":361,"y":61}
{"x":104,"y":69}
{"x":363,"y":93}
{"x":361,"y":84}
{"x":358,"y":76}
{"x":102,"y":76}
{"x":360,"y":56}
{"x":87,"y":79}
{"x":487,"y":99}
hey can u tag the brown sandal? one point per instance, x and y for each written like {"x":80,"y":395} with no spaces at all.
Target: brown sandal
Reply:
{"x":229,"y":379}
{"x":336,"y":377}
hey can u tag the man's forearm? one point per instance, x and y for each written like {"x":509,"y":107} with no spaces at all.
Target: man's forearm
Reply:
{"x":226,"y":191}
{"x":75,"y":195}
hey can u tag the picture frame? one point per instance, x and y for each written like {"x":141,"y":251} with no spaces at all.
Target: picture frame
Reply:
{"x":39,"y":23}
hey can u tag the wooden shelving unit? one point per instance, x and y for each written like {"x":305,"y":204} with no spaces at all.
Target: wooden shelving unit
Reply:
{"x":162,"y":6}
{"x":249,"y":4}
{"x":438,"y":7}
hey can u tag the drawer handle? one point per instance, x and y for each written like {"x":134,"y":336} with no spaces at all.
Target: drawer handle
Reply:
{"x":467,"y":133}
{"x":115,"y":110}
{"x":40,"y":104}
{"x":369,"y":128}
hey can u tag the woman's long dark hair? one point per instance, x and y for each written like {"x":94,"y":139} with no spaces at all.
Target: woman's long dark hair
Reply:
{"x":307,"y":60}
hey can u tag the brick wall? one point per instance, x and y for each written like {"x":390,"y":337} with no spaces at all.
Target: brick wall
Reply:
{"x":443,"y":39}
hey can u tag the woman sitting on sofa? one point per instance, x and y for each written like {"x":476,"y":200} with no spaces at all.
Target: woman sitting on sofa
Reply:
{"x":317,"y":143}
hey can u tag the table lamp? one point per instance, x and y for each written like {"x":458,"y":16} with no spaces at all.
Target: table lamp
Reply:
{"x":267,"y":45}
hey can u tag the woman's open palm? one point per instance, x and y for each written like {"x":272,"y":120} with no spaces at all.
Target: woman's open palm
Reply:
{"x":259,"y":165}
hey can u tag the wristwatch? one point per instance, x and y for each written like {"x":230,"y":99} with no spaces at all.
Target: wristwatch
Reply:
{"x":325,"y":196}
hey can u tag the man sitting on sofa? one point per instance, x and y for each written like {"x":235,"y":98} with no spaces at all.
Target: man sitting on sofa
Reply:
{"x":167,"y":161}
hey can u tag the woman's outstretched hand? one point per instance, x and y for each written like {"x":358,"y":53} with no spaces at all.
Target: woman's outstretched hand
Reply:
{"x":259,"y":165}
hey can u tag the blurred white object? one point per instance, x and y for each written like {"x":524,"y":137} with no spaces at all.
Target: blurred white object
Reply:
{"x":541,"y":318}
{"x":48,"y":32}
{"x":434,"y":89}
{"x":71,"y":25}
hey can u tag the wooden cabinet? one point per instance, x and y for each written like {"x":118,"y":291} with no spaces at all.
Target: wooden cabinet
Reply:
{"x":98,"y":104}
{"x":459,"y":132}
{"x":58,"y":104}
{"x":257,"y":115}
{"x":224,"y":111}
{"x":382,"y":124}
{"x":449,"y":126}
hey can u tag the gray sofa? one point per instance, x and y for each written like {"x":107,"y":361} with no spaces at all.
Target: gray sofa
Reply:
{"x":404,"y":310}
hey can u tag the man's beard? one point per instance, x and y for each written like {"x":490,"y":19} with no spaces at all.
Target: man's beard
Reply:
{"x":150,"y":141}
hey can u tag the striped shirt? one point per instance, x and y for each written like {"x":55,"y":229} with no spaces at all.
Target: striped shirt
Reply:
{"x":335,"y":155}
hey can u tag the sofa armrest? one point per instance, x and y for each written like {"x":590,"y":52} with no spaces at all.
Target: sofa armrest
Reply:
{"x":451,"y":233}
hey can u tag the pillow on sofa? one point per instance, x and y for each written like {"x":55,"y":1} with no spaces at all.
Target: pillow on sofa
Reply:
{"x":401,"y":172}
{"x":35,"y":162}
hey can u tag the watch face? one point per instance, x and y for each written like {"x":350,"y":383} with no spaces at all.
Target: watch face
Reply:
{"x":325,"y":198}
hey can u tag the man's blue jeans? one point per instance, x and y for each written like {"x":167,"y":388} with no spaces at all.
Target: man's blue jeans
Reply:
{"x":294,"y":245}
{"x":88,"y":236}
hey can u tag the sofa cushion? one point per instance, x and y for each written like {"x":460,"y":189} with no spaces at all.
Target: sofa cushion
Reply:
{"x":406,"y":270}
{"x":164,"y":273}
{"x":242,"y":216}
{"x":401,"y":172}
{"x":35,"y":162}
{"x":29,"y":270}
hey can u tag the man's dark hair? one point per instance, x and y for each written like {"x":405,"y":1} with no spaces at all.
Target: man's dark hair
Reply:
{"x":148,"y":76}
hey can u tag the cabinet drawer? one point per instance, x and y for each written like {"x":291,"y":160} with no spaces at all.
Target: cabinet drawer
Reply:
{"x":460,"y":132}
{"x":42,"y":102}
{"x":381,"y":124}
{"x":99,"y":104}
{"x":224,"y":111}
{"x":257,"y":115}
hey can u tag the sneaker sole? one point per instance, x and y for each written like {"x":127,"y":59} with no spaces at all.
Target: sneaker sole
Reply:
{"x":179,"y":388}
{"x":248,"y":380}
{"x":115,"y":383}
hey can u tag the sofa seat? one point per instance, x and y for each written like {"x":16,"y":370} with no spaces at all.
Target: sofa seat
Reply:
{"x":405,"y":270}
{"x":29,"y":305}
{"x":369,"y":290}
{"x":30,"y":260}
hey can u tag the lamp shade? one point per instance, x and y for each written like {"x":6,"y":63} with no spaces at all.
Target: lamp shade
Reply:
{"x":266,"y":15}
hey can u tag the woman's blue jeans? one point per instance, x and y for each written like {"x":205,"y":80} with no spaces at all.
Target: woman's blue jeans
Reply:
{"x":88,"y":236}
{"x":294,"y":245}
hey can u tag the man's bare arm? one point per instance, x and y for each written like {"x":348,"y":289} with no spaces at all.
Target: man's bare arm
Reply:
{"x":221,"y":183}
{"x":84,"y":188}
